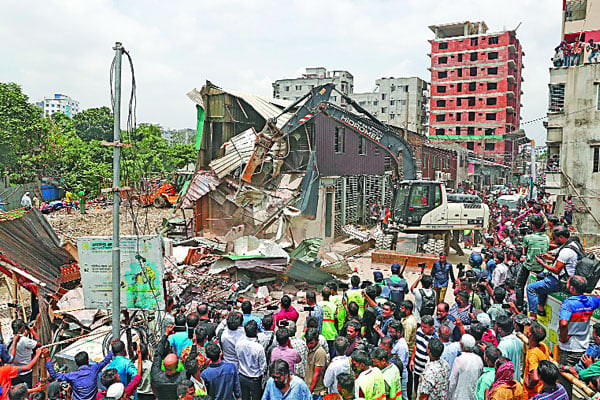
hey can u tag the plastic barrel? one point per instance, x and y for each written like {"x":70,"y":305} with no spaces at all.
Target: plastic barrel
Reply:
{"x":49,"y":192}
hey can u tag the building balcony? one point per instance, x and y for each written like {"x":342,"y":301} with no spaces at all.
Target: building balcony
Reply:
{"x":554,"y":179}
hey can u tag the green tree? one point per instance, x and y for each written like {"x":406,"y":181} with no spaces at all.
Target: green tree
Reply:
{"x":94,"y":124}
{"x":23,"y":132}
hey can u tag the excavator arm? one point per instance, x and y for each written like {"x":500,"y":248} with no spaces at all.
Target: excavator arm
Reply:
{"x":317,"y":102}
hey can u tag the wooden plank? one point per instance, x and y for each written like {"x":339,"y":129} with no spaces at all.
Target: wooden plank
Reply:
{"x":390,"y":257}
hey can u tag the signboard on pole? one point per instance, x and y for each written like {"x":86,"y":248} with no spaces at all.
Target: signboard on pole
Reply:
{"x":142,"y":271}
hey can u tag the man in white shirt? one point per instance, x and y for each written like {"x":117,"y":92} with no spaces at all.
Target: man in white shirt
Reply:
{"x":500,"y":272}
{"x":465,"y":372}
{"x":252,"y":362}
{"x":339,"y":364}
{"x":23,"y":352}
{"x":231,"y":335}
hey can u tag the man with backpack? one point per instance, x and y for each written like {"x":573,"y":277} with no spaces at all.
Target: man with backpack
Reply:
{"x":424,"y":296}
{"x":397,"y":284}
{"x":562,"y":268}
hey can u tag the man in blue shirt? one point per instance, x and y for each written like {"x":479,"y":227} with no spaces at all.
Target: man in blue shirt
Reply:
{"x":124,"y":366}
{"x":281,"y":385}
{"x":593,"y":349}
{"x":221,"y":378}
{"x":181,"y":338}
{"x":84,"y":380}
{"x":574,"y":325}
{"x":442,"y":273}
{"x":247,"y":314}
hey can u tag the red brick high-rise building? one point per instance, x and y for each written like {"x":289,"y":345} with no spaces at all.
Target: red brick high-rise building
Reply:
{"x":475,"y":88}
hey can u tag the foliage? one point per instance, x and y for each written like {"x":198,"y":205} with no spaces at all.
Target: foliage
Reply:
{"x":94,"y":124}
{"x":32,"y":146}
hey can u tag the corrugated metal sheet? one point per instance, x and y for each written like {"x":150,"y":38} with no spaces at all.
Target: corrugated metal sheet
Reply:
{"x":267,"y":108}
{"x":237,"y":152}
{"x":202,"y":183}
{"x":31,"y":243}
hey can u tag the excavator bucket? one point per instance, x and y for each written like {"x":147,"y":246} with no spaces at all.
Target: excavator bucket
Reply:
{"x":264,"y":143}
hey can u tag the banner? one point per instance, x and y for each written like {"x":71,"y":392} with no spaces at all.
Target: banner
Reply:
{"x":141,"y":277}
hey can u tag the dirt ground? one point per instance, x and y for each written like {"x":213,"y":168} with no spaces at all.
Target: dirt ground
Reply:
{"x":98,"y":221}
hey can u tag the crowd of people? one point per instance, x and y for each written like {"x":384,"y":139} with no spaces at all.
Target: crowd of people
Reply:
{"x":366,"y":339}
{"x":573,"y":54}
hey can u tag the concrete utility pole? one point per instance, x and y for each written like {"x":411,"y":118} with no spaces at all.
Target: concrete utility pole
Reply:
{"x":483,"y":161}
{"x":116,"y":251}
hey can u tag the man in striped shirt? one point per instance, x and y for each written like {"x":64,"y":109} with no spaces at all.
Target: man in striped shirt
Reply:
{"x":419,"y":357}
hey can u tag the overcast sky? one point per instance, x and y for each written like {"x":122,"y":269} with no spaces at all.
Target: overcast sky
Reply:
{"x":66,"y":46}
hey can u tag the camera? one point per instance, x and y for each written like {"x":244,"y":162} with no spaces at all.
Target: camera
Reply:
{"x":309,"y":308}
{"x":343,"y":286}
{"x":506,"y":306}
{"x":272,"y":308}
{"x":284,"y":323}
{"x":422,"y":265}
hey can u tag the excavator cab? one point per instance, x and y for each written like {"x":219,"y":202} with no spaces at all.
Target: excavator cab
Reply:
{"x":414,"y":199}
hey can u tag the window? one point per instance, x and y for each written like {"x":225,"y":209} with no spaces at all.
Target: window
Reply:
{"x":493,"y":40}
{"x":459,"y":87}
{"x":471,"y":101}
{"x":596,"y":163}
{"x":439,"y":131}
{"x":492,"y":85}
{"x":493,"y":55}
{"x":442,"y":75}
{"x":470,"y":131}
{"x":441,"y":89}
{"x":459,"y":72}
{"x":472,"y":86}
{"x":299,"y":87}
{"x":458,"y":101}
{"x":493,"y":71}
{"x":474,"y":41}
{"x":440,"y":117}
{"x":471,"y":116}
{"x":490,"y":116}
{"x":443,"y":60}
{"x":362,"y":146}
{"x":458,"y":116}
{"x":598,"y":101}
{"x":470,"y":145}
{"x":575,"y":10}
{"x":287,"y":88}
{"x":557,"y":98}
{"x":490,"y":146}
{"x":459,"y":57}
{"x":491,"y":101}
{"x":383,"y":110}
{"x":392,"y":116}
{"x":474,"y":56}
{"x":340,"y":140}
{"x":458,"y":130}
{"x":382,"y":96}
{"x":443,"y":45}
{"x":392,"y":102}
{"x":440,"y":103}
{"x":375,"y":102}
{"x":490,"y":131}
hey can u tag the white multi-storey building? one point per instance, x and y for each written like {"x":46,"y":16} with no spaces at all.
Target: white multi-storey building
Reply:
{"x":293,"y":89}
{"x":400,"y":102}
{"x":59,"y":103}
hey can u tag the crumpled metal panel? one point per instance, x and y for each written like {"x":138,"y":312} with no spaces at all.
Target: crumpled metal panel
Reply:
{"x":30,"y":242}
{"x":202,"y":183}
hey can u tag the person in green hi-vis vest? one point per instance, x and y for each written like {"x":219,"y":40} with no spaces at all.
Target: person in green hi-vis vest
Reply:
{"x":81,"y":196}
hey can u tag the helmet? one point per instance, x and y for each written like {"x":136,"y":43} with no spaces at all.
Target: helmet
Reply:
{"x":475,"y":260}
{"x":537,"y":221}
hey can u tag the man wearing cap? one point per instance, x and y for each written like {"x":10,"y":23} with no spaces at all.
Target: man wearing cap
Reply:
{"x":397,"y":285}
{"x":442,"y":273}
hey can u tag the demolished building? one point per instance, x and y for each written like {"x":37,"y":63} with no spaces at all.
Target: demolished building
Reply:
{"x":323,"y":177}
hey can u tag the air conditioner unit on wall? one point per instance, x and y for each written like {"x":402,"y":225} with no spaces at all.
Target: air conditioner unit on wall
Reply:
{"x":439,"y":175}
